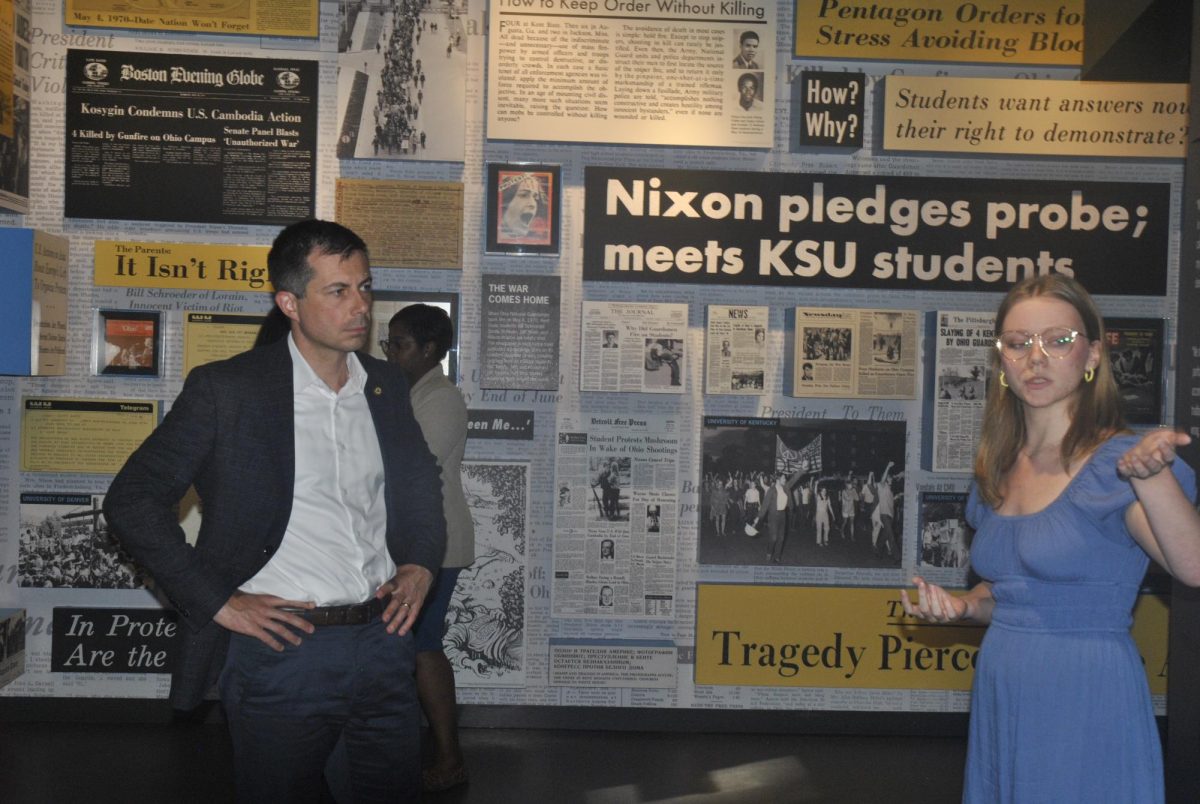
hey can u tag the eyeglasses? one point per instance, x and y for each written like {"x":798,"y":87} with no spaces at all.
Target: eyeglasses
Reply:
{"x":394,"y":342}
{"x":1056,"y":342}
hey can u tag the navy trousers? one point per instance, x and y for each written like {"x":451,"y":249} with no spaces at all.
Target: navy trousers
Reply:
{"x":349,"y":686}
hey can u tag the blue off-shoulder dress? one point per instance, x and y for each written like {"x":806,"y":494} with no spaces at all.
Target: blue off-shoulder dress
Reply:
{"x":1060,"y":708}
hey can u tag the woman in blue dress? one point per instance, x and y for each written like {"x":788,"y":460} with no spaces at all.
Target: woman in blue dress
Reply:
{"x":1069,"y":508}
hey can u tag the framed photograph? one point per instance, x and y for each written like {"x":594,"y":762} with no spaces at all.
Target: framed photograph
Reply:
{"x":523,"y":208}
{"x":1135,"y":350}
{"x":128,"y":342}
{"x":945,"y":534}
{"x":389,"y":302}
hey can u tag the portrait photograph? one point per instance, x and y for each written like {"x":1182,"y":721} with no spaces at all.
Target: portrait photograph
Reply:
{"x":523,"y":209}
{"x":749,"y":93}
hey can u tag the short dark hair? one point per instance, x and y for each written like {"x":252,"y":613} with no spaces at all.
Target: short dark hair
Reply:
{"x":748,"y":35}
{"x":751,"y":77}
{"x":275,"y":326}
{"x":287,"y":262}
{"x":426,"y":324}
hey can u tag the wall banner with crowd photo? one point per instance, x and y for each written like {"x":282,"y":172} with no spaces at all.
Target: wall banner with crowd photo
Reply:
{"x":878,"y":232}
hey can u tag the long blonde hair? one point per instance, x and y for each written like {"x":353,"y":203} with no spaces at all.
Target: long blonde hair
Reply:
{"x":1095,"y":417}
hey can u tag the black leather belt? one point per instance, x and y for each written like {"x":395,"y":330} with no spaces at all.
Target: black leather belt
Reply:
{"x":355,"y":614}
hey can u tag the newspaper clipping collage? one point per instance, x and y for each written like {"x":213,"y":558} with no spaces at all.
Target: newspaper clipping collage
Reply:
{"x":707,"y":263}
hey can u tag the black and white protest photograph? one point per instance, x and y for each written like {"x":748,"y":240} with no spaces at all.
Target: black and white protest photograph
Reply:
{"x":1135,"y":348}
{"x":826,"y":493}
{"x":65,"y":543}
{"x":888,"y":337}
{"x":962,"y":383}
{"x":746,"y":381}
{"x":609,"y":475}
{"x":828,"y":343}
{"x":664,"y":362}
{"x":945,"y":534}
{"x":402,"y":80}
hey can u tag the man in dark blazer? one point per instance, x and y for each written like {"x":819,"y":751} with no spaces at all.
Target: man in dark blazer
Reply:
{"x":322,"y":526}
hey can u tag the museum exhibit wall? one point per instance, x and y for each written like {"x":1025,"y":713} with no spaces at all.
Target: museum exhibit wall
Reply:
{"x":837,"y":332}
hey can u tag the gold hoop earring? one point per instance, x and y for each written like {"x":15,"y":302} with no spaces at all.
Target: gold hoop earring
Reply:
{"x":1003,"y":380}
{"x":1089,"y":375}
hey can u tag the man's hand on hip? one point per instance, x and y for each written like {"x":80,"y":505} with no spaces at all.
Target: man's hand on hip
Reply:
{"x":264,"y":617}
{"x":408,"y":590}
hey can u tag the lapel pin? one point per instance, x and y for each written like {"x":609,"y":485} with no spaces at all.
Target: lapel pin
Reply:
{"x":378,"y":391}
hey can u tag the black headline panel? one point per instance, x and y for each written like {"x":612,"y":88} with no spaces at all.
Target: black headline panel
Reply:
{"x":879,"y":232}
{"x":101,"y":640}
{"x":203,"y":139}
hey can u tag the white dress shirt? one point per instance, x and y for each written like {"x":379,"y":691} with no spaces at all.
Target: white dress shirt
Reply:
{"x":334,"y":550}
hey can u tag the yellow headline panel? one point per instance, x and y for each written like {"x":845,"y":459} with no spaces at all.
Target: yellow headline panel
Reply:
{"x":194,"y":266}
{"x":208,"y":337}
{"x":258,"y":17}
{"x":1048,"y":32}
{"x":850,"y":637}
{"x":83,"y":435}
{"x":1051,"y":118}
